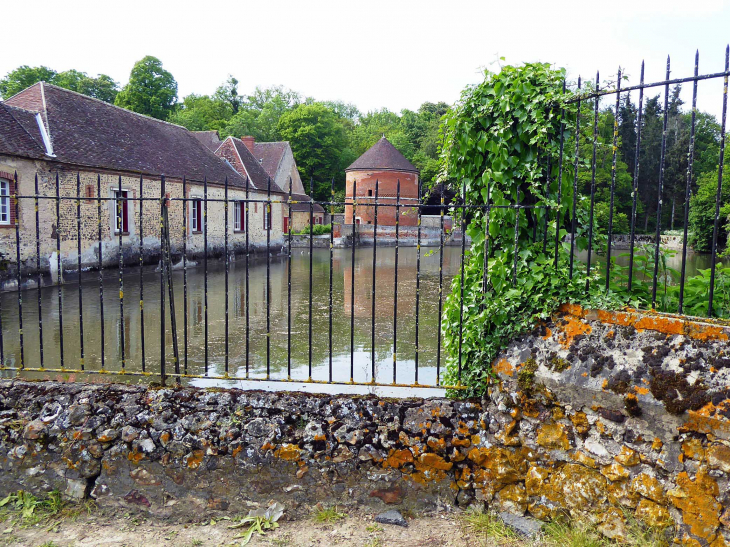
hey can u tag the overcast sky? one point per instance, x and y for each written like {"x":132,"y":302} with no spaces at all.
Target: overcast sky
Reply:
{"x":395,"y":53}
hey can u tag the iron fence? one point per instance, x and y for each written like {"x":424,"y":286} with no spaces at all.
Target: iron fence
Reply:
{"x":178,"y":367}
{"x":463,"y":211}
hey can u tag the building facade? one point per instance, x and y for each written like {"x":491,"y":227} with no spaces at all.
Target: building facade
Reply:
{"x":382,"y":165}
{"x":100,"y":160}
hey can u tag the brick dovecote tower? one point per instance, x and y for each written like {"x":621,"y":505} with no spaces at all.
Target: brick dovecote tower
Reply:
{"x":384,"y":164}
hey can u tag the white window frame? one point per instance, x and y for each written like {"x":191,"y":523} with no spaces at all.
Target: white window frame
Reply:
{"x":268,"y":216}
{"x":4,"y":202}
{"x":239,"y":219}
{"x":117,"y":219}
{"x":196,"y":224}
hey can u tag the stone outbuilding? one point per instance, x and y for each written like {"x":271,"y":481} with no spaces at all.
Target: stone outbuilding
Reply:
{"x":383,"y":165}
{"x":80,"y":147}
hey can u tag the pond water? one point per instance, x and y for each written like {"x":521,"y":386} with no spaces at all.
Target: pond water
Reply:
{"x":341,"y":351}
{"x":695,"y":261}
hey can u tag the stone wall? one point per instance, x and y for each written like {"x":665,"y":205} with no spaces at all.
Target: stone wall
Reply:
{"x":65,"y":224}
{"x":594,"y":414}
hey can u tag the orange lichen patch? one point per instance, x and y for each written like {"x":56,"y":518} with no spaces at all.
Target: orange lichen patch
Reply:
{"x":572,"y":309}
{"x":627,"y":457}
{"x":553,"y":436}
{"x":615,"y":472}
{"x":693,"y":449}
{"x":267,"y":446}
{"x":432,"y":462}
{"x":665,"y":323}
{"x":476,"y":439}
{"x":463,"y":429}
{"x":135,"y":457}
{"x":619,"y":493}
{"x":513,"y":496}
{"x":577,"y":487}
{"x":718,"y":457}
{"x":696,"y":500}
{"x":497,"y":463}
{"x":580,"y":422}
{"x":604,"y":384}
{"x":688,"y":541}
{"x":437,"y":445}
{"x":461,"y":442}
{"x":652,"y":514}
{"x":585,"y":459}
{"x":657,"y":323}
{"x":641,"y":390}
{"x":534,"y":480}
{"x":236,"y":451}
{"x":705,"y":332}
{"x":302,"y":471}
{"x":701,"y":421}
{"x":503,"y":367}
{"x":648,"y":487}
{"x":194,"y":459}
{"x":558,"y":413}
{"x":288,"y":452}
{"x":657,"y":444}
{"x":398,"y":458}
{"x":571,"y":328}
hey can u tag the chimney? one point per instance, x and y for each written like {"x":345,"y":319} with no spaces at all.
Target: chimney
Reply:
{"x":248,"y":141}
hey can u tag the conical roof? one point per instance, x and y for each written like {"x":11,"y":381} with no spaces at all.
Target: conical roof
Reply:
{"x":382,"y":156}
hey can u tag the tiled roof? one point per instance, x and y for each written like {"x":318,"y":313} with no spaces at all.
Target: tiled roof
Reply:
{"x":304,"y":206}
{"x":209,"y":139}
{"x":383,"y":156}
{"x":88,"y":132}
{"x":19,"y":133}
{"x":269,"y":155}
{"x":259,"y":177}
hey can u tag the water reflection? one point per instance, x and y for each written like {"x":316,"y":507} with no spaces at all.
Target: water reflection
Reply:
{"x":238,"y":362}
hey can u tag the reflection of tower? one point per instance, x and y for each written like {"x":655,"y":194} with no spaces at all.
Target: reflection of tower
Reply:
{"x":384,"y":282}
{"x":383,"y":164}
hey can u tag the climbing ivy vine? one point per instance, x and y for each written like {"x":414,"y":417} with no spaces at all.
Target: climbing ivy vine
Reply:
{"x":499,"y":140}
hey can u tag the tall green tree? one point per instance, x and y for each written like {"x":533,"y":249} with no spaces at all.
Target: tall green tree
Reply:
{"x":227,"y":92}
{"x":317,"y":139}
{"x":202,"y":113}
{"x":259,"y":113}
{"x":151,"y":90}
{"x":101,"y":87}
{"x":24,"y":76}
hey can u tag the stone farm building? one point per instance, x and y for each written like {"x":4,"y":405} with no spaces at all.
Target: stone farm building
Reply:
{"x":276,"y":161}
{"x":385,"y":165}
{"x":50,"y":132}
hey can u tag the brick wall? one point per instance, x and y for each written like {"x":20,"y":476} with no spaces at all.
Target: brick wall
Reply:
{"x":387,"y":189}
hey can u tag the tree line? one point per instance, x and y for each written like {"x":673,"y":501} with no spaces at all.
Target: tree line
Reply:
{"x":326,"y":136}
{"x":704,"y":173}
